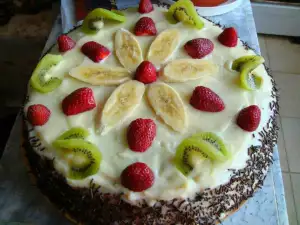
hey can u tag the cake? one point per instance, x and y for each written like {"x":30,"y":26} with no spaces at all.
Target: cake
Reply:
{"x":150,"y":116}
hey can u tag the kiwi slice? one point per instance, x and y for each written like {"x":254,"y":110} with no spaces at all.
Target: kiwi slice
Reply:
{"x":238,"y":63}
{"x":187,"y":153}
{"x":83,"y":157}
{"x":118,"y":12}
{"x":250,"y":81}
{"x":40,"y":80}
{"x":74,"y":133}
{"x":214,"y":140}
{"x":93,"y":22}
{"x":184,"y":11}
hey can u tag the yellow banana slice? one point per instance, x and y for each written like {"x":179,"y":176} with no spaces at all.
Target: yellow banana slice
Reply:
{"x":182,"y":70}
{"x":100,"y":75}
{"x":122,"y":102}
{"x":164,"y":45}
{"x":167,"y":104}
{"x":128,"y":50}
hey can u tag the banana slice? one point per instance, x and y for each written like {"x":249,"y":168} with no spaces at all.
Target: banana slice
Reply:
{"x":167,"y":104}
{"x":164,"y":45}
{"x":128,"y":50}
{"x":182,"y":70}
{"x":122,"y":102}
{"x":100,"y":75}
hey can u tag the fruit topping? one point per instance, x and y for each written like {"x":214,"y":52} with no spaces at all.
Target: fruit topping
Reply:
{"x":100,"y":75}
{"x":181,"y":70}
{"x":146,"y":72}
{"x":205,"y":99}
{"x":41,"y":79}
{"x":38,"y":114}
{"x":95,"y":51}
{"x":145,"y":27}
{"x":199,"y":47}
{"x":196,"y":149}
{"x":74,"y":133}
{"x":83,"y":158}
{"x":93,"y":22}
{"x":128,"y":50}
{"x":249,"y":118}
{"x":168,"y":105}
{"x":228,"y":37}
{"x":249,"y":80}
{"x":145,"y":6}
{"x":137,"y":177}
{"x":65,"y":43}
{"x":184,"y":11}
{"x":121,"y":104}
{"x":140,"y":134}
{"x":163,"y":47}
{"x":214,"y":140}
{"x":253,"y":59}
{"x":80,"y":100}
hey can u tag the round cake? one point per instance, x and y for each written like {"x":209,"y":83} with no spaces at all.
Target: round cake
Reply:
{"x":150,"y":116}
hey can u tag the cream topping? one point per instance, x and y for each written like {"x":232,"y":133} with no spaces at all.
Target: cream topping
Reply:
{"x":116,"y":156}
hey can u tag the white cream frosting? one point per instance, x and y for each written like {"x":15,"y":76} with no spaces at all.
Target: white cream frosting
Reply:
{"x":116,"y":156}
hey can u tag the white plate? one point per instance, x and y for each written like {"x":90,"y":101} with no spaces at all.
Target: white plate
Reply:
{"x":216,"y":10}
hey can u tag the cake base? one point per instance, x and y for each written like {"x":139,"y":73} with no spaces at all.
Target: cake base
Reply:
{"x":89,"y":206}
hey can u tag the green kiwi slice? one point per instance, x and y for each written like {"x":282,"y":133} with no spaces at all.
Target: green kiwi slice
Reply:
{"x":184,"y":11}
{"x":74,"y":133}
{"x":194,"y":149}
{"x":250,"y":81}
{"x":93,"y":22}
{"x":83,"y":157}
{"x":187,"y":153}
{"x":255,"y":59}
{"x":215,"y":141}
{"x":40,"y":80}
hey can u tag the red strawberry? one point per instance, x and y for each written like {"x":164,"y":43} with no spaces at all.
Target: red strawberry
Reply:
{"x":65,"y":43}
{"x":38,"y":114}
{"x":137,"y":177}
{"x":229,"y":37}
{"x":140,"y":134}
{"x":78,"y":101}
{"x":199,"y":47}
{"x":146,"y":72}
{"x":205,"y":99}
{"x":145,"y":27}
{"x":249,"y":118}
{"x":95,"y":51}
{"x":145,"y":6}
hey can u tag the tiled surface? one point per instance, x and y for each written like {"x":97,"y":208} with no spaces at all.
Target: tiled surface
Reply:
{"x":289,"y":198}
{"x":296,"y":189}
{"x":291,"y":132}
{"x":283,"y":55}
{"x":289,"y":87}
{"x":283,"y":58}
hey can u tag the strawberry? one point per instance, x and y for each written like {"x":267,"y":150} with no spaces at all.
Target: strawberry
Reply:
{"x":145,"y":27}
{"x":65,"y":43}
{"x":228,"y":37}
{"x":145,"y":6}
{"x":205,"y":99}
{"x":137,"y":177}
{"x":249,"y":118}
{"x":140,"y":134}
{"x":38,"y":114}
{"x":78,"y":101}
{"x":146,"y":72}
{"x":95,"y":51}
{"x":199,"y":47}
